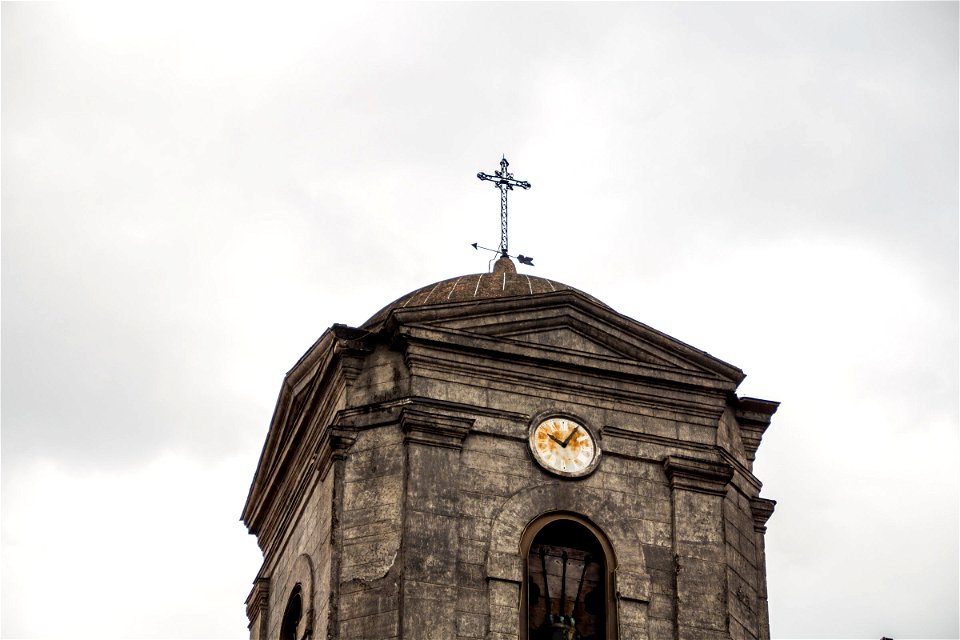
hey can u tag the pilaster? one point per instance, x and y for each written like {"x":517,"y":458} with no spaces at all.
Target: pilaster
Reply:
{"x":432,"y":443}
{"x":258,"y":607}
{"x":698,"y":488}
{"x":338,"y":443}
{"x":762,"y":510}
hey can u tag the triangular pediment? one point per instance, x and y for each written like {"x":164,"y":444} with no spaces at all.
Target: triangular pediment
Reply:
{"x":570,"y":331}
{"x":564,"y":326}
{"x":567,"y":338}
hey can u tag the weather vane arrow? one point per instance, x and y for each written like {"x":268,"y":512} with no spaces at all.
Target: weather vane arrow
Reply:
{"x":504,"y":181}
{"x":522,"y":259}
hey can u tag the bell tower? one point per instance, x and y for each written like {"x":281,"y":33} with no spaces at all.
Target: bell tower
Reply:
{"x":499,"y":455}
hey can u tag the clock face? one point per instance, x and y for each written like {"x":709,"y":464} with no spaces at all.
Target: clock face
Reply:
{"x":564,"y":446}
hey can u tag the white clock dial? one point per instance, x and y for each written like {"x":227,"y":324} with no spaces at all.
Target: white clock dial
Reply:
{"x":564,"y":446}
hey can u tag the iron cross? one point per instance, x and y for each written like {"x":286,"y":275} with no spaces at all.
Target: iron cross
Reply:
{"x":504,"y":181}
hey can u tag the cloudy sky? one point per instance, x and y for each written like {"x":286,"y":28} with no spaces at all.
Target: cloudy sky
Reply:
{"x":193,"y":192}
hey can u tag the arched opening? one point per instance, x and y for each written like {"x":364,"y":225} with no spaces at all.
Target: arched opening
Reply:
{"x":292,"y":615}
{"x":567,"y":581}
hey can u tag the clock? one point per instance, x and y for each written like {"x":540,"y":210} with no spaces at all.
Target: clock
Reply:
{"x":564,"y":446}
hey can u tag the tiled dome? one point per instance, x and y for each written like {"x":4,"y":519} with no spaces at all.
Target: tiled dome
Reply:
{"x":502,"y":282}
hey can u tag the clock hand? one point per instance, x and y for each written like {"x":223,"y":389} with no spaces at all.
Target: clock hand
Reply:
{"x":570,"y":435}
{"x":555,"y":439}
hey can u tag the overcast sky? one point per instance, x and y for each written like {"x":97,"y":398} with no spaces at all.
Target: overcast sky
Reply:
{"x":192,"y":193}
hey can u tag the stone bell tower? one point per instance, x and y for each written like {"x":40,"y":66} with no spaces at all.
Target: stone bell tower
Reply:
{"x":502,"y":456}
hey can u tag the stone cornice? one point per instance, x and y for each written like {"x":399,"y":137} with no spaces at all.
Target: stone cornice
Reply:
{"x":333,"y":446}
{"x":310,"y":391}
{"x":568,"y":299}
{"x":762,"y":509}
{"x":697,"y":404}
{"x":753,"y":415}
{"x":433,"y":428}
{"x":258,"y":602}
{"x":388,"y":412}
{"x":741,"y":472}
{"x":352,"y":346}
{"x":559,"y":359}
{"x":702,"y":476}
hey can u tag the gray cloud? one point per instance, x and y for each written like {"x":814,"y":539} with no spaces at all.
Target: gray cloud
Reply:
{"x":189,"y":201}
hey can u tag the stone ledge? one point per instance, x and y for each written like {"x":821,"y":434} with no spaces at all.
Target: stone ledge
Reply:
{"x":762,"y":509}
{"x":702,"y":476}
{"x":434,"y":429}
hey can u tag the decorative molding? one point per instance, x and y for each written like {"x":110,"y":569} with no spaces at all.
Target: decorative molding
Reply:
{"x":702,"y":476}
{"x":545,"y":377}
{"x":762,"y":509}
{"x":333,"y":446}
{"x":442,"y":339}
{"x":352,"y":346}
{"x":741,"y":474}
{"x":567,"y":301}
{"x":434,"y":429}
{"x":258,"y":603}
{"x":378,"y":414}
{"x":753,"y":415}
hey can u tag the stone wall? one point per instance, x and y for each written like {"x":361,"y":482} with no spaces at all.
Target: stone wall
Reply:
{"x":415,"y":524}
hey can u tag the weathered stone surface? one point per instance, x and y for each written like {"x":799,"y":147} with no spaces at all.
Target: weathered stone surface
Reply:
{"x":397,"y":486}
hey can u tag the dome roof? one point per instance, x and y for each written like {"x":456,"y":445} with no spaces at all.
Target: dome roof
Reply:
{"x":502,"y":282}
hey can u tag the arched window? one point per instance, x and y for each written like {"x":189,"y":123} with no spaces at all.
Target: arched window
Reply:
{"x":292,"y":615}
{"x":568,"y":581}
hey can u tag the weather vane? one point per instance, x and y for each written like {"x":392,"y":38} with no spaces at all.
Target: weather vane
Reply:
{"x":504,"y":181}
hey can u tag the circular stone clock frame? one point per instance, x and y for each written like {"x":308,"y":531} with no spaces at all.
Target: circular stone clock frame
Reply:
{"x":564,"y":424}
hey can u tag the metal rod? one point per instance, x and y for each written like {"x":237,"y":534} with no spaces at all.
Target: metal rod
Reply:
{"x":583,"y":574}
{"x":546,"y":583}
{"x":503,"y":218}
{"x":563,"y":584}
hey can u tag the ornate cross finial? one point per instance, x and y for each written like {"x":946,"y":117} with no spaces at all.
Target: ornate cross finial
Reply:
{"x":505,"y":182}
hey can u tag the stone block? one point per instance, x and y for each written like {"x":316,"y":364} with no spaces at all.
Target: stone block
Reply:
{"x":698,"y":518}
{"x":633,"y":586}
{"x":382,"y":491}
{"x":661,"y":606}
{"x":369,"y":559}
{"x":504,"y":619}
{"x":697,"y":433}
{"x":505,"y":593}
{"x":655,"y":533}
{"x":377,"y":529}
{"x":472,"y":600}
{"x":471,"y":625}
{"x":660,"y":628}
{"x":497,"y":484}
{"x":428,"y":619}
{"x":505,"y":566}
{"x":429,"y":542}
{"x":473,"y":528}
{"x":366,"y":602}
{"x":378,"y":626}
{"x":633,"y":632}
{"x":471,"y":574}
{"x":633,"y":613}
{"x":701,"y":576}
{"x":383,"y":460}
{"x":701,"y":610}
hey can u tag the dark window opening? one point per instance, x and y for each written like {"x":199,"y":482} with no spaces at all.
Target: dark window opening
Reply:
{"x":291,"y":617}
{"x":566,"y":584}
